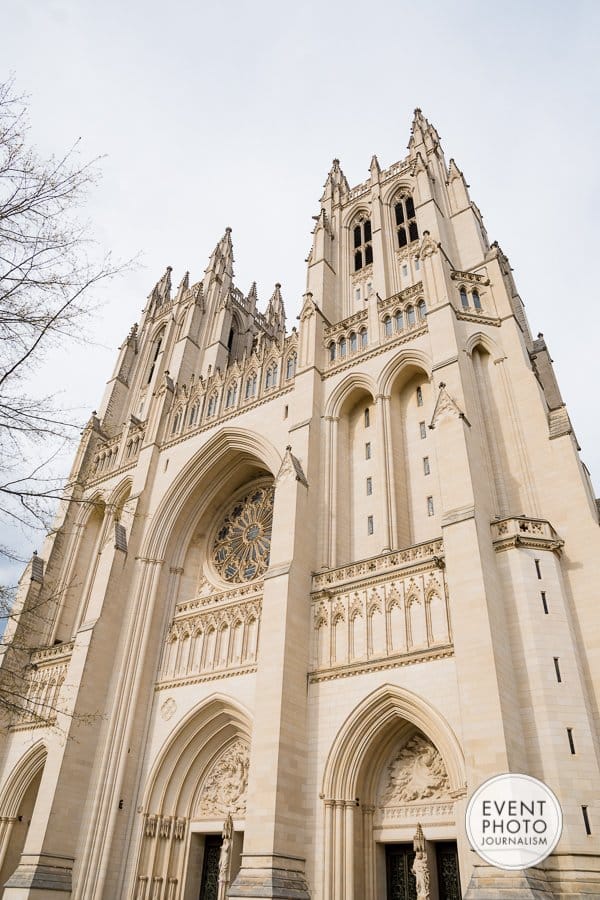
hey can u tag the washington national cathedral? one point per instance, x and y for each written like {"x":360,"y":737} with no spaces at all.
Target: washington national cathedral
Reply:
{"x":311,"y":587}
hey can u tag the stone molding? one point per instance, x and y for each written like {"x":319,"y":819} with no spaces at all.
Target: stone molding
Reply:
{"x":208,"y":676}
{"x":394,"y":560}
{"x":394,"y":661}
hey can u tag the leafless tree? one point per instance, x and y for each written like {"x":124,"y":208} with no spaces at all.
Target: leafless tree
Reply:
{"x":49,"y":268}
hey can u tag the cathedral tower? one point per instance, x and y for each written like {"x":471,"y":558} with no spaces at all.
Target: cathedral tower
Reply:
{"x":310,"y":588}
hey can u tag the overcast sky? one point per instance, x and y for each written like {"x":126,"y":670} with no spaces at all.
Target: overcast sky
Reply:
{"x":229,"y":114}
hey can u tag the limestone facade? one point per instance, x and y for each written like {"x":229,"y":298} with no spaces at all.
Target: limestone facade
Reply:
{"x":312,"y":587}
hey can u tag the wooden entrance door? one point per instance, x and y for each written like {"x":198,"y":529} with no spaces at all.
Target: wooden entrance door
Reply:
{"x":209,"y":887}
{"x":401,"y":884}
{"x":447,"y":870}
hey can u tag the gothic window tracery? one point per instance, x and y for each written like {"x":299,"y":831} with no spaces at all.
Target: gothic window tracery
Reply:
{"x":242,"y":543}
{"x":271,"y":376}
{"x":362,"y":243}
{"x":212,"y":406}
{"x":250,"y":386}
{"x":193,"y":417}
{"x":155,"y":352}
{"x":464,"y":298}
{"x":177,"y":421}
{"x":406,"y":222}
{"x":290,"y":369}
{"x":231,"y":396}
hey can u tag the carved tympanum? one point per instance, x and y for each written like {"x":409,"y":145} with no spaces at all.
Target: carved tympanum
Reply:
{"x":224,"y":788}
{"x":417,"y":772}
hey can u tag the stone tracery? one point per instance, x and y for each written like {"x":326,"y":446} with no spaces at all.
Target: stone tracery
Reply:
{"x":241,"y":547}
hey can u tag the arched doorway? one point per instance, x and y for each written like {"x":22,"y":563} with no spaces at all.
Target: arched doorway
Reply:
{"x":16,"y":810}
{"x":395,"y":765}
{"x":198,"y":781}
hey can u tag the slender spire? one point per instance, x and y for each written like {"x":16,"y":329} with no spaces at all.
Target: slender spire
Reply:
{"x":161,"y":292}
{"x":183,"y":286}
{"x":276,"y":312}
{"x":422,"y":133}
{"x":336,"y":180}
{"x":252,"y":297}
{"x":221,"y":260}
{"x":374,"y":168}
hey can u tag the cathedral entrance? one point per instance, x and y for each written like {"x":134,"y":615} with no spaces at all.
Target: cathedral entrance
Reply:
{"x":401,"y":883}
{"x":209,"y":887}
{"x":444,"y":881}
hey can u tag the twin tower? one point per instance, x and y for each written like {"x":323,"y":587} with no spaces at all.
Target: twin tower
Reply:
{"x":309,"y":589}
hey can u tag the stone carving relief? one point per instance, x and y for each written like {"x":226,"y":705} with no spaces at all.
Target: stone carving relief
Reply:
{"x":224,"y":788}
{"x":168,"y":709}
{"x":416,"y":773}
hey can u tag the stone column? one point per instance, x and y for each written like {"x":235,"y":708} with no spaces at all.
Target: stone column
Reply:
{"x":368,"y":813}
{"x":273,"y":861}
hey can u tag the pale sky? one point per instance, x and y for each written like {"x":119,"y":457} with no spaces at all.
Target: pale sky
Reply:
{"x":215,"y":115}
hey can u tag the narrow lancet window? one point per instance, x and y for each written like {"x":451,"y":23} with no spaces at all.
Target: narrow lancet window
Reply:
{"x":363,"y":248}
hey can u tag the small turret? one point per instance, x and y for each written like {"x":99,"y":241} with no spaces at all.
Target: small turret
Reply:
{"x":161,"y":292}
{"x":336,"y":184}
{"x":252,"y":298}
{"x":423,"y":136}
{"x":374,"y":169}
{"x":221,"y":259}
{"x":276,"y":313}
{"x":183,"y":287}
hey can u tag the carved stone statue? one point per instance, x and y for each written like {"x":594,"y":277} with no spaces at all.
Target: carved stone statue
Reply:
{"x":225,"y":857}
{"x":421,"y":873}
{"x":420,"y":868}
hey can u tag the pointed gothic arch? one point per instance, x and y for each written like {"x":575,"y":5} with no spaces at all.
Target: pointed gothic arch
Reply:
{"x":368,"y":725}
{"x":200,"y":774}
{"x":407,"y":359}
{"x":17,"y":801}
{"x":228,"y":446}
{"x":346,"y":387}
{"x":389,"y":722}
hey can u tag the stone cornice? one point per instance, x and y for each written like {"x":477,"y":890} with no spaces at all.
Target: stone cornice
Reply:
{"x":206,"y":676}
{"x":478,"y":317}
{"x":408,"y":293}
{"x":417,"y":558}
{"x":389,"y":662}
{"x":354,"y":320}
{"x":471,"y":277}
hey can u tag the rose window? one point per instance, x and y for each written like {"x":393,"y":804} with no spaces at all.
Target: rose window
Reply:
{"x":242,"y":543}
